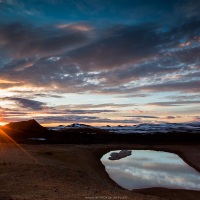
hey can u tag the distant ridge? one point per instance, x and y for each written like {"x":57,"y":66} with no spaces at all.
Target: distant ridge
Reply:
{"x":31,"y":131}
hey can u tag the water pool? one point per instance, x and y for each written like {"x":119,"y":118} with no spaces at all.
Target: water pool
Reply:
{"x":148,"y":169}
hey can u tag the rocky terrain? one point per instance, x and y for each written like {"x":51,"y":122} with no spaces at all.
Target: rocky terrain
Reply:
{"x":64,"y":171}
{"x":65,"y":164}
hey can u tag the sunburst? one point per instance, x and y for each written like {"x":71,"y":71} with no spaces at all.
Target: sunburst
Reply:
{"x":9,"y":139}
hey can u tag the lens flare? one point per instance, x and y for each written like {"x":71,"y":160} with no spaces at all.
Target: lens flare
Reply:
{"x":7,"y":137}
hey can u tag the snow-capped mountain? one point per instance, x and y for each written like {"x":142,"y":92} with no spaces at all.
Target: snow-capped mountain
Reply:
{"x":155,"y":128}
{"x":62,"y":127}
{"x":193,"y":127}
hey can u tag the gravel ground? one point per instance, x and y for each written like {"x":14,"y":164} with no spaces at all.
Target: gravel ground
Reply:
{"x":56,"y":172}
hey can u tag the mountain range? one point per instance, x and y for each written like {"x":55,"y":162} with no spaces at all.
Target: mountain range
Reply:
{"x":32,"y":132}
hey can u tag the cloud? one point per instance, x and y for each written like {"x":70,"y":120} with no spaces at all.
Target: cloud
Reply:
{"x":190,"y":8}
{"x":189,"y":86}
{"x":47,"y":95}
{"x":169,"y":117}
{"x":88,"y":111}
{"x":142,"y":116}
{"x":70,"y":60}
{"x":82,"y":119}
{"x":173,"y":103}
{"x":128,"y":45}
{"x":119,"y":45}
{"x":133,"y":95}
{"x":47,"y":114}
{"x":135,"y":72}
{"x":27,"y":103}
{"x":75,"y":26}
{"x":28,"y":41}
{"x":96,"y":106}
{"x":62,"y":111}
{"x":196,"y":118}
{"x":184,"y":97}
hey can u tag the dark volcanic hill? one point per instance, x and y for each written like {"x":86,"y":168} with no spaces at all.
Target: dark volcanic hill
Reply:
{"x":21,"y":131}
{"x":24,"y":125}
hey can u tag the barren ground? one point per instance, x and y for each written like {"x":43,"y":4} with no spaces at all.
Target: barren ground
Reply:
{"x":56,"y":172}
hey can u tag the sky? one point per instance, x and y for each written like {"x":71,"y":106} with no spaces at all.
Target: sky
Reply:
{"x":100,"y":62}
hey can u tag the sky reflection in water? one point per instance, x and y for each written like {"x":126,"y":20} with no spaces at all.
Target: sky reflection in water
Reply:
{"x":147,"y":169}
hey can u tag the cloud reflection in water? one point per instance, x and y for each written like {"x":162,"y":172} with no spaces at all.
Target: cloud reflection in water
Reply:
{"x":147,"y":169}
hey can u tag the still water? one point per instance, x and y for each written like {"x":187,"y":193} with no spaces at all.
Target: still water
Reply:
{"x":148,"y":169}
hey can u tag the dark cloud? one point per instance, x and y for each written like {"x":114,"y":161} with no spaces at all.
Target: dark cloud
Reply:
{"x":111,"y":57}
{"x":8,"y":85}
{"x":96,"y":106}
{"x":190,"y":87}
{"x":189,"y":8}
{"x":134,"y":73}
{"x":82,"y":119}
{"x":29,"y":94}
{"x":119,"y":45}
{"x":197,"y":118}
{"x":184,"y":97}
{"x":29,"y":41}
{"x":88,"y":111}
{"x":53,"y":115}
{"x":168,"y":86}
{"x":132,"y":95}
{"x":169,"y":117}
{"x":189,"y":55}
{"x":174,"y":103}
{"x":54,"y":110}
{"x":48,"y":95}
{"x":142,"y":116}
{"x":125,"y":45}
{"x":27,"y":103}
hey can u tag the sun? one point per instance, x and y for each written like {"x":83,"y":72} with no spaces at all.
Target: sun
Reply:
{"x":2,"y":123}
